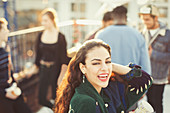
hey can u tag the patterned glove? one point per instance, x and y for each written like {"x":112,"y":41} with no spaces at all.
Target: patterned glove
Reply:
{"x":140,"y":84}
{"x":138,"y":80}
{"x":135,"y":72}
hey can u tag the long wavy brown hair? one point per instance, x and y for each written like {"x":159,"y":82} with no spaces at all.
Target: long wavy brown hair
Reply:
{"x":73,"y":77}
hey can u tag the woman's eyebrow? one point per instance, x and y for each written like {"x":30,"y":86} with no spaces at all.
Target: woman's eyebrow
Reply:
{"x":108,"y":58}
{"x":96,"y":59}
{"x":100,"y":59}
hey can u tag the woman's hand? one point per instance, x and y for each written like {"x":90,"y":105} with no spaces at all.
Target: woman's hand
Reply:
{"x":31,"y":71}
{"x":11,"y":95}
{"x":13,"y":91}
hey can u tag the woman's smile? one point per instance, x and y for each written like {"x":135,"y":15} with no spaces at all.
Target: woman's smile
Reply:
{"x":103,"y":77}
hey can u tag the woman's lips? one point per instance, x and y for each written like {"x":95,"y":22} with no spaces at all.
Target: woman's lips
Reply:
{"x":103,"y":77}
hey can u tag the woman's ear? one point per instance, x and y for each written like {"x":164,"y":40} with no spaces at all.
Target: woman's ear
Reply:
{"x":82,"y":68}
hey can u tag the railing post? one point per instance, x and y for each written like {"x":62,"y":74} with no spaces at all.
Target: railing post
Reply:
{"x":15,"y":16}
{"x":5,"y":4}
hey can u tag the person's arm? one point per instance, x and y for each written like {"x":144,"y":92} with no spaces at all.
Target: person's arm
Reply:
{"x":136,"y":88}
{"x":120,"y":69}
{"x":62,"y":73}
{"x":138,"y":82}
{"x":161,"y":56}
{"x":37,"y":49}
{"x":31,"y":71}
{"x":161,"y":49}
{"x":63,"y":50}
{"x":124,"y":74}
{"x":63,"y":57}
{"x":144,"y":61}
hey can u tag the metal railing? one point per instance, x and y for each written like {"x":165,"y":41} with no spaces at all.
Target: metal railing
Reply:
{"x":22,"y":42}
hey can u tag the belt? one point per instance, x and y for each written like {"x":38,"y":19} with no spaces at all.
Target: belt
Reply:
{"x":46,"y":63}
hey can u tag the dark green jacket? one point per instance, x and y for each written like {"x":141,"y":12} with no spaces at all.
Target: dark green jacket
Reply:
{"x":86,"y":99}
{"x":113,"y":99}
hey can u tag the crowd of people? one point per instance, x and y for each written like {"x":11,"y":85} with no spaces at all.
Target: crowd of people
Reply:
{"x":114,"y":68}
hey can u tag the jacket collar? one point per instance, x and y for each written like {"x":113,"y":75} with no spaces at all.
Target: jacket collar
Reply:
{"x":162,"y":29}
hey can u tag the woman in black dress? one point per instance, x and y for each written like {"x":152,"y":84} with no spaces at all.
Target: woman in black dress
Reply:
{"x":51,"y":56}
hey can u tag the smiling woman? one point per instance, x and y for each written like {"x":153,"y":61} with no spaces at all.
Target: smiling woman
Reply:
{"x":89,"y":86}
{"x":97,"y":68}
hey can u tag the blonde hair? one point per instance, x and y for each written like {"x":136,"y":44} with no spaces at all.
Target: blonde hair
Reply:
{"x":3,"y":21}
{"x":52,"y":14}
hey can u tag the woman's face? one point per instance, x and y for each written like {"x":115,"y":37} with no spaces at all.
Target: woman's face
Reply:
{"x":4,"y":32}
{"x":97,"y":67}
{"x":47,"y":22}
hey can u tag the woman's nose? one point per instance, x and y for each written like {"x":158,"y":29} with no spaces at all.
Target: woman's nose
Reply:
{"x":104,"y":66}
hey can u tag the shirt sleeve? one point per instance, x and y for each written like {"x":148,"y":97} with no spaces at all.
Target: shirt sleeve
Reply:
{"x":144,"y":58}
{"x":37,"y":50}
{"x":131,"y":91}
{"x":63,"y":49}
{"x":137,"y":87}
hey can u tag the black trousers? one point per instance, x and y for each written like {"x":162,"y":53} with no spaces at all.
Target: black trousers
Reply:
{"x":48,"y":77}
{"x":155,"y":97}
{"x":13,"y":106}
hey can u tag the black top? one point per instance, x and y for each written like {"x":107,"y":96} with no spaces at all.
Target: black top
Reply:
{"x":55,"y":52}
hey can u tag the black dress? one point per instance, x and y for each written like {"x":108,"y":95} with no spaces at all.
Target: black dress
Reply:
{"x":56,"y":53}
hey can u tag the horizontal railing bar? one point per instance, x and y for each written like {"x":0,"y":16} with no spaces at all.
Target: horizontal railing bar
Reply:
{"x":25,"y":31}
{"x":60,"y":24}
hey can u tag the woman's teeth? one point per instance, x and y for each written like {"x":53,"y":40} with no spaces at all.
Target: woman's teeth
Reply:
{"x":103,"y":76}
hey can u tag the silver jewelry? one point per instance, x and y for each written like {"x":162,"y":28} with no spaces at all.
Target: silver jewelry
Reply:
{"x":83,"y":78}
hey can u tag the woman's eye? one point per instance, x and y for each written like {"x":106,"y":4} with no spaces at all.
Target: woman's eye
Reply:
{"x":108,"y":62}
{"x":97,"y":63}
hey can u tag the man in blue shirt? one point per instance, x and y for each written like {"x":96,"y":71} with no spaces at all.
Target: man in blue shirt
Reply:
{"x":127,"y":44}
